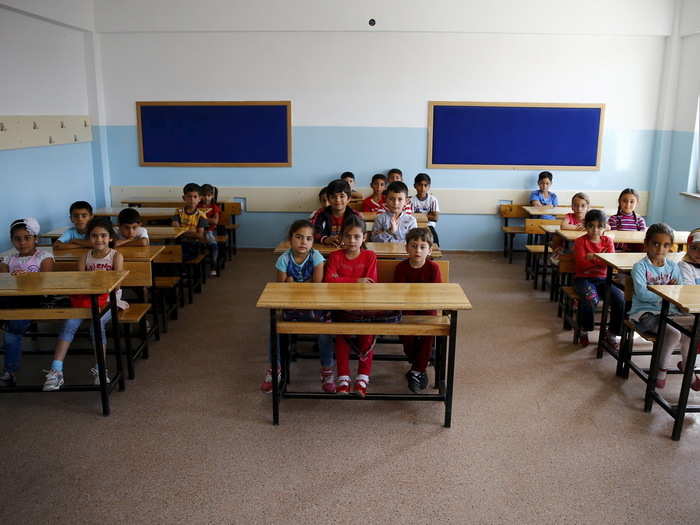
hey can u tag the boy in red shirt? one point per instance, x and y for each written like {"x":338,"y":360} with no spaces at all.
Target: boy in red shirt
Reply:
{"x":589,"y":279}
{"x":375,"y":202}
{"x":418,"y":269}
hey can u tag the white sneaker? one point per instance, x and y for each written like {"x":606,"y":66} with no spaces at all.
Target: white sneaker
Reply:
{"x":54,"y":380}
{"x":213,"y":273}
{"x":7,"y":379}
{"x":96,"y":375}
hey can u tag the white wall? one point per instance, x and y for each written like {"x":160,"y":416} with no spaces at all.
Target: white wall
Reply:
{"x":75,"y":13}
{"x":619,"y":17}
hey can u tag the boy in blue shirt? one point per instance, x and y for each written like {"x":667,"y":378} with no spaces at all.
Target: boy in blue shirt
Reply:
{"x":544,"y":197}
{"x":76,"y":237}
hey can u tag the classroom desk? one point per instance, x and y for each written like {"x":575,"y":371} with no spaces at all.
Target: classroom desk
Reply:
{"x":370,"y":216}
{"x":536,"y":211}
{"x":155,"y":233}
{"x":448,"y":297}
{"x":93,"y":284}
{"x":148,"y":214}
{"x":619,"y":236}
{"x":384,"y":250}
{"x":623,"y":263}
{"x":687,"y":299}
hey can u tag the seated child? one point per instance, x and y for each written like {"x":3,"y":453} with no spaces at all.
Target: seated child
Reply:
{"x":102,"y":257}
{"x":418,"y":269}
{"x":394,"y":223}
{"x":690,"y":265}
{"x":657,"y":268}
{"x":626,"y":218}
{"x":426,"y":202}
{"x":349,"y":177}
{"x":323,"y":201}
{"x":394,"y":175}
{"x":27,"y":258}
{"x":76,"y":237}
{"x":589,"y":279}
{"x":300,"y":264}
{"x":572,"y":221}
{"x":329,"y":222}
{"x":129,"y":230}
{"x":352,"y":264}
{"x":375,"y":202}
{"x":213,"y":211}
{"x":192,"y":218}
{"x":542,"y":196}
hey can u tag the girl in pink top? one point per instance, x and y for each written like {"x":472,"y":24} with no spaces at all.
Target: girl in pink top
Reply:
{"x":579,"y":205}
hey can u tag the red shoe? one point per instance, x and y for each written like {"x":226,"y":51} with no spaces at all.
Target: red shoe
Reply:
{"x":342,"y":385}
{"x":661,"y":379}
{"x":583,"y":340}
{"x":266,"y":385}
{"x":695,"y":385}
{"x":328,"y":380}
{"x":360,"y":387}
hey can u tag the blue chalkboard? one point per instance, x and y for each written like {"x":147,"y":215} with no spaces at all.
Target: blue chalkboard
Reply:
{"x":214,"y":133}
{"x":519,"y":136}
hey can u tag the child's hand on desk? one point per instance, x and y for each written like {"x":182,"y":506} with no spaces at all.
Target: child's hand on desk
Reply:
{"x":431,"y":216}
{"x":289,"y":279}
{"x":332,"y":240}
{"x":365,"y":280}
{"x":18,"y":272}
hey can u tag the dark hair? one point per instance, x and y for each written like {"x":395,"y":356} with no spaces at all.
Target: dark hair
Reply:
{"x":209,"y":189}
{"x":339,"y":186}
{"x":128,"y":216}
{"x":397,"y":187}
{"x":80,"y":205}
{"x":658,"y":228}
{"x":595,"y":215}
{"x":102,"y":222}
{"x":394,"y":170}
{"x":347,"y":174}
{"x":422,"y":177}
{"x":192,"y":186}
{"x":627,"y":191}
{"x":545,"y":175}
{"x":353,"y":221}
{"x":420,"y":234}
{"x":298,"y":225}
{"x":324,"y":191}
{"x":19,"y":224}
{"x":378,"y":176}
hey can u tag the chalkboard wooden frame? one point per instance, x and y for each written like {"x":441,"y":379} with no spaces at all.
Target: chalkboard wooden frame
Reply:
{"x":431,"y":135}
{"x":286,"y":103}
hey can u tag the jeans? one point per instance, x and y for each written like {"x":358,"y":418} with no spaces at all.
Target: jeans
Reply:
{"x":325,"y":349}
{"x":213,"y":246}
{"x":71,"y":326}
{"x":13,"y":344}
{"x":591,"y":292}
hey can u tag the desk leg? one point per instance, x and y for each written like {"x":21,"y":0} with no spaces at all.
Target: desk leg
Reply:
{"x":99,"y":355}
{"x":604,"y":319}
{"x":116,"y":334}
{"x":450,"y":368}
{"x":655,"y":356}
{"x":274,"y":366}
{"x":688,"y":375}
{"x":545,"y":261}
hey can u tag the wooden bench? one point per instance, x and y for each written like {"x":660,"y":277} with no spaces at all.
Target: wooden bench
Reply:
{"x":136,"y":315}
{"x":536,"y":251}
{"x":507,"y":212}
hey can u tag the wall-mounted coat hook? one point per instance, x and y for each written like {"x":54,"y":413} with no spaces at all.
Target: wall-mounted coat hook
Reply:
{"x":35,"y":125}
{"x":75,"y":137}
{"x":62,"y":125}
{"x":50,"y":139}
{"x":2,"y":126}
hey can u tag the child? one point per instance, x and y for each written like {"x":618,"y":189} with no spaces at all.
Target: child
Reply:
{"x":575,"y":221}
{"x":76,"y":237}
{"x":656,"y":268}
{"x":192,"y":218}
{"x":375,"y":202}
{"x":349,"y":177}
{"x":394,"y":175}
{"x":102,"y":257}
{"x":353,"y":264}
{"x":626,"y":218}
{"x":129,"y":230}
{"x":690,"y":274}
{"x":23,"y":234}
{"x":329,"y":222}
{"x":323,"y":201}
{"x":589,"y":279}
{"x":392,"y":225}
{"x":213,"y":211}
{"x":544,"y":197}
{"x":418,"y":269}
{"x":301,"y":264}
{"x":425,"y":202}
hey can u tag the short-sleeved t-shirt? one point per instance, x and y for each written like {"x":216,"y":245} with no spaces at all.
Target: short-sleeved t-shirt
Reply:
{"x":71,"y":234}
{"x":141,"y":233}
{"x":430,"y":203}
{"x":191,"y":221}
{"x":29,"y":263}
{"x":300,"y":272}
{"x":551,"y":200}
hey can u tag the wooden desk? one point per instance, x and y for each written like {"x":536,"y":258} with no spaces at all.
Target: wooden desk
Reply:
{"x":155,"y":233}
{"x":148,"y":214}
{"x":535,"y":211}
{"x":687,"y":299}
{"x":359,"y":296}
{"x":71,"y":283}
{"x":371,"y":216}
{"x":622,"y":236}
{"x":384,"y":250}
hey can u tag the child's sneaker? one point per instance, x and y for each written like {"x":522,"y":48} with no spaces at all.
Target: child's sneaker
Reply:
{"x":695,"y":385}
{"x":328,"y":380}
{"x":213,"y":273}
{"x":342,"y":385}
{"x":54,"y":380}
{"x":611,"y":340}
{"x":7,"y":379}
{"x":96,"y":376}
{"x":661,"y":379}
{"x":583,"y":340}
{"x":417,"y":381}
{"x":360,"y":386}
{"x":266,"y":385}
